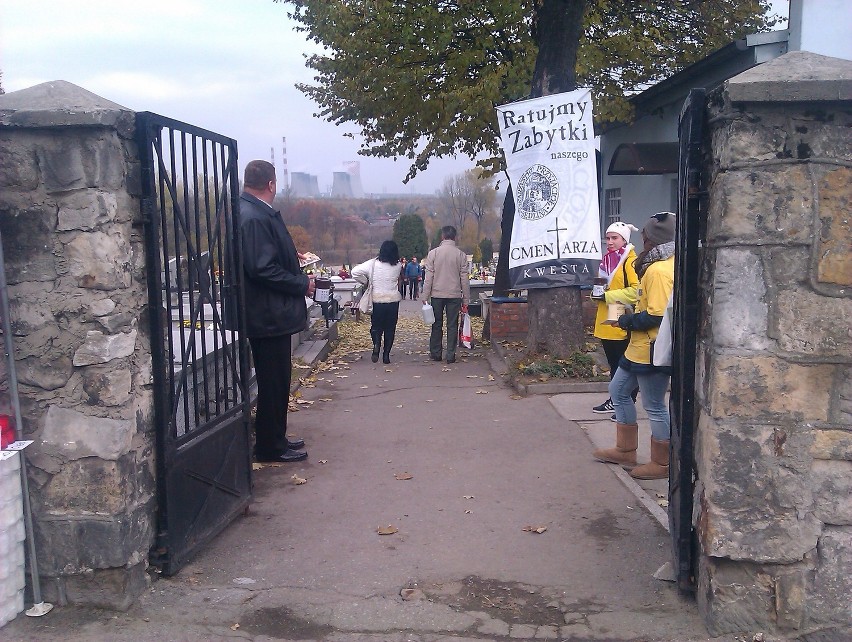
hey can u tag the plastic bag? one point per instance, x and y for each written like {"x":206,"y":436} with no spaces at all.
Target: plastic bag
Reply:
{"x":428,"y":314}
{"x":465,"y":332}
{"x":663,"y":343}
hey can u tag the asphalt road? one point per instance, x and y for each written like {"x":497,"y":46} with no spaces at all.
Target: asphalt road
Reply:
{"x":464,"y":472}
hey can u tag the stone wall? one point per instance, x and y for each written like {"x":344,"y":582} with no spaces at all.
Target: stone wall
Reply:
{"x":774,"y":437}
{"x":69,"y":215}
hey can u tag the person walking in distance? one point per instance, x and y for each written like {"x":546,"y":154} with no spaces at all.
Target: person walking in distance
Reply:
{"x":275,"y":291}
{"x":382,"y":273}
{"x":447,"y":285}
{"x":403,"y":265}
{"x":412,"y":274}
{"x":655,"y":268}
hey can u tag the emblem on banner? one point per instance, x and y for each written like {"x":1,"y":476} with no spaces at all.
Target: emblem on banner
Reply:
{"x":539,"y":191}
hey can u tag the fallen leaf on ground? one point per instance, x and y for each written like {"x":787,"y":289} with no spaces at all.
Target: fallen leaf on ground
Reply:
{"x":416,"y":376}
{"x":258,"y":465}
{"x":324,"y":399}
{"x":446,"y":369}
{"x":472,"y":376}
{"x":364,"y":387}
{"x":468,"y":497}
{"x":534,"y":529}
{"x":403,"y":476}
{"x":482,"y":392}
{"x":304,"y":402}
{"x":468,"y":512}
{"x":663,"y":503}
{"x":234,"y":627}
{"x":515,"y":397}
{"x":298,"y":480}
{"x":399,"y":406}
{"x":490,"y":377}
{"x":387,"y":530}
{"x":323,"y":461}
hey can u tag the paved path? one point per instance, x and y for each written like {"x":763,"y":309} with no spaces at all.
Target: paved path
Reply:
{"x":307,"y":562}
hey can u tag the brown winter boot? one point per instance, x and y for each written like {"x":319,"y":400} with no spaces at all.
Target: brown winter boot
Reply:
{"x":624,"y":453}
{"x":658,"y":467}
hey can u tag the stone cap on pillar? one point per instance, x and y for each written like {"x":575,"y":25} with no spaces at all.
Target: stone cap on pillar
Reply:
{"x":798,"y":76}
{"x":59,"y":103}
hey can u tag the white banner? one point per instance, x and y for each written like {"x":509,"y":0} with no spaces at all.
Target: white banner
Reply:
{"x":550,"y":156}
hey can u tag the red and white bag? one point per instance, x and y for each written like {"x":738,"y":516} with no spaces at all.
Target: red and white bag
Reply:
{"x":465,"y":333}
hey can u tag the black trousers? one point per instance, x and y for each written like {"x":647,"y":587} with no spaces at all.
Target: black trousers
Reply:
{"x":383,"y":324}
{"x":413,"y":282}
{"x":614,"y":350}
{"x":272,"y":367}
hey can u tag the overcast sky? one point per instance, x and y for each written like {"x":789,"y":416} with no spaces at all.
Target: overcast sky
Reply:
{"x":227,"y":66}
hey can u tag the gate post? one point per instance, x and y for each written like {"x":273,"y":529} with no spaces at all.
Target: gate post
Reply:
{"x":69,"y":211}
{"x":774,"y":370}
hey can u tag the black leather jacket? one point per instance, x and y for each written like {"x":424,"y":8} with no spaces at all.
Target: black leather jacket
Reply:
{"x":274,"y":284}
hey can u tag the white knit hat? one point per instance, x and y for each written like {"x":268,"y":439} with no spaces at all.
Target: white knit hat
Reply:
{"x":622,"y":229}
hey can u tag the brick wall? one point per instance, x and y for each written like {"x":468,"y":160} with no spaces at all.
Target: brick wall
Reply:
{"x":507,"y":320}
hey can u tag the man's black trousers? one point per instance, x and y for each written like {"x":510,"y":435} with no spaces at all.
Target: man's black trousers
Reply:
{"x":272,"y":368}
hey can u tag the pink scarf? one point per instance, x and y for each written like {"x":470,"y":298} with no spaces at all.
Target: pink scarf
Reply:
{"x":610,"y":262}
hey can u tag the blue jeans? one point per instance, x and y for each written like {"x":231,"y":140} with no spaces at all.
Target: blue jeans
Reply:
{"x":653,"y":386}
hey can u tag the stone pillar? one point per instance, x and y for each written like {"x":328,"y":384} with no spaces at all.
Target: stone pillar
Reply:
{"x":774,"y":441}
{"x":69,"y":214}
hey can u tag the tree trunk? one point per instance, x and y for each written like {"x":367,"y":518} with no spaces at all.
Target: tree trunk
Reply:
{"x":556,"y":314}
{"x":556,"y":321}
{"x":507,"y":221}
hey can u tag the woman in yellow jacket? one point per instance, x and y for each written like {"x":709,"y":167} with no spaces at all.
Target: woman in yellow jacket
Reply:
{"x":655,"y":267}
{"x":617,"y":268}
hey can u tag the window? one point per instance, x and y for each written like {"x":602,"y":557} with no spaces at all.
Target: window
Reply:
{"x":612,"y":206}
{"x":643,"y":159}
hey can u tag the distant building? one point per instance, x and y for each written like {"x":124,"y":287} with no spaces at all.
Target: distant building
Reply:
{"x":341,"y":185}
{"x":304,"y":185}
{"x":353,"y":168}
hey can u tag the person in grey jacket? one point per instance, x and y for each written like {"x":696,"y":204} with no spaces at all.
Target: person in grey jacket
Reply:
{"x":275,"y":291}
{"x":447,"y":284}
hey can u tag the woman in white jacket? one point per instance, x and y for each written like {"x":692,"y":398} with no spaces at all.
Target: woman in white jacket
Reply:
{"x":385,"y":271}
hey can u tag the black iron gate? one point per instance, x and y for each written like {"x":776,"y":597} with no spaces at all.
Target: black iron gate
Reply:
{"x":189,"y":201}
{"x":690,"y":225}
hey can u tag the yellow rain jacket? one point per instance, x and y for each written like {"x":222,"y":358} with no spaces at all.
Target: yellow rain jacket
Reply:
{"x":622,"y":289}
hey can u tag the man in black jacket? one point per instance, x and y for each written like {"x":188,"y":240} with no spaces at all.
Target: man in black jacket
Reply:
{"x":275,"y":291}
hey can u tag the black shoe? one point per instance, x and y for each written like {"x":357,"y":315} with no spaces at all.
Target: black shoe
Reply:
{"x":451,"y":359}
{"x":386,"y":358}
{"x":434,"y":358}
{"x":605,"y":408}
{"x":296,"y":444}
{"x":284,"y":458}
{"x":375,"y":355}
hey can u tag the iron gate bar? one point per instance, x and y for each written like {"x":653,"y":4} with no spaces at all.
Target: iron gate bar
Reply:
{"x":685,"y":345}
{"x":180,"y":223}
{"x":201,"y":396}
